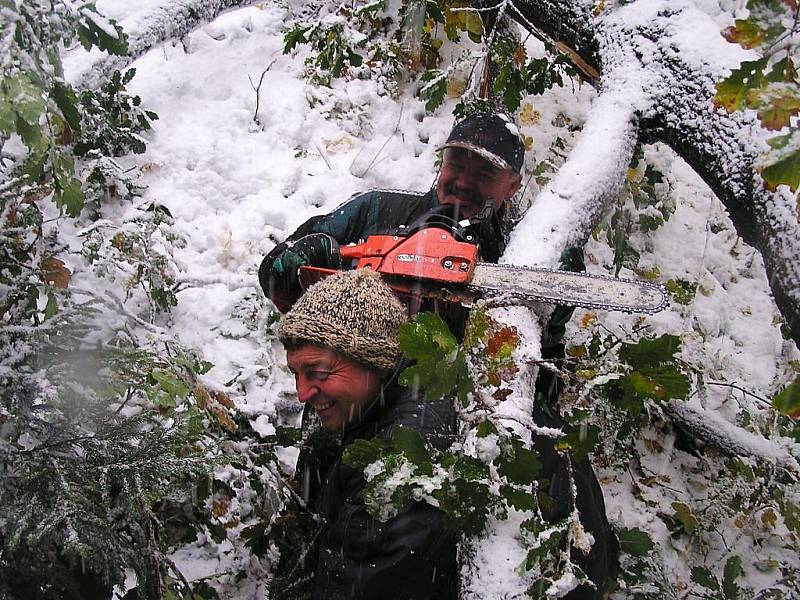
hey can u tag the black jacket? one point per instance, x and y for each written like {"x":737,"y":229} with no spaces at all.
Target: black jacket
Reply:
{"x":411,"y":556}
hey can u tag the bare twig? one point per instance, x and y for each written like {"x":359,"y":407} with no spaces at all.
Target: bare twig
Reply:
{"x":257,"y":89}
{"x":375,"y":158}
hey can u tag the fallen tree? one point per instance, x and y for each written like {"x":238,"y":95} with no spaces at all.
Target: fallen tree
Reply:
{"x":656,"y":94}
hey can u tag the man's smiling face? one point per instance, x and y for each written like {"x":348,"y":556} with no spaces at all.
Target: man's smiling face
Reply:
{"x":338,"y":388}
{"x":467,"y":180}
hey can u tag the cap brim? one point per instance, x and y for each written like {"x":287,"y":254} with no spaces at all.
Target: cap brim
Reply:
{"x":482,"y":152}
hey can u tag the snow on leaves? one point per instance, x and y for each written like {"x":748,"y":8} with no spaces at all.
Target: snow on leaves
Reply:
{"x":768,"y":85}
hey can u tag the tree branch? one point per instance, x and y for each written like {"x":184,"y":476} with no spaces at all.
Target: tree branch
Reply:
{"x":669,"y":100}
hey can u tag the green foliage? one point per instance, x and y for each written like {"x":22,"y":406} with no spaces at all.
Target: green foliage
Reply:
{"x":365,"y":41}
{"x":441,"y":367}
{"x":768,"y":85}
{"x":727,"y":589}
{"x":652,"y":374}
{"x":36,"y":103}
{"x":111,"y":119}
{"x":787,"y":401}
{"x":138,"y":256}
{"x":517,"y":75}
{"x":644,"y":206}
{"x":338,"y":42}
{"x":681,"y":291}
{"x":635,"y":542}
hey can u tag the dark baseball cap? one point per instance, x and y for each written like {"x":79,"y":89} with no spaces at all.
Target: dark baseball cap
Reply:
{"x":492,"y":136}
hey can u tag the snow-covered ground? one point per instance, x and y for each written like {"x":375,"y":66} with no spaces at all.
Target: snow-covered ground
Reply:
{"x":237,"y":184}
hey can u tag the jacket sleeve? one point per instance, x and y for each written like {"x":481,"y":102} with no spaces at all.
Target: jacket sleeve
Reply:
{"x":346,"y":225}
{"x":411,"y":556}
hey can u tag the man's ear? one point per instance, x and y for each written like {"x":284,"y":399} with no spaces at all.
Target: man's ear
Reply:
{"x":514,"y":181}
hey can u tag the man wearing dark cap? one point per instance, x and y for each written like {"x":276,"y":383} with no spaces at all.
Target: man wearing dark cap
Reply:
{"x":341,"y":345}
{"x":481,"y":170}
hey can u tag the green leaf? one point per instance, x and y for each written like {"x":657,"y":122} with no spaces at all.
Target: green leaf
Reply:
{"x":787,"y":401}
{"x":465,"y":467}
{"x":581,"y":440}
{"x":362,"y":453}
{"x":650,"y":353}
{"x":732,"y":91}
{"x":67,"y":102}
{"x":465,"y":505}
{"x":440,"y":368}
{"x":70,"y":196}
{"x":705,"y":578}
{"x":519,"y":499}
{"x":31,"y":134}
{"x":745,"y":32}
{"x":8,"y":118}
{"x":684,"y":515}
{"x":169,"y":383}
{"x":635,"y":542}
{"x":91,"y":34}
{"x":485,"y":429}
{"x":26,"y":97}
{"x":411,"y":444}
{"x":288,"y":436}
{"x":51,"y":308}
{"x":523,"y":467}
{"x":785,"y":171}
{"x":661,"y":383}
{"x":538,"y":590}
{"x":733,"y":569}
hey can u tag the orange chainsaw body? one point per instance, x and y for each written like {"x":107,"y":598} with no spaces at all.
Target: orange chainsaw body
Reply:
{"x":428,"y":258}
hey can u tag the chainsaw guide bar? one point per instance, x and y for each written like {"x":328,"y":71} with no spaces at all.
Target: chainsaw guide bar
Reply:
{"x":535,"y":284}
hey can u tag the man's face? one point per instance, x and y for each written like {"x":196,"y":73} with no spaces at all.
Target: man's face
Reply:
{"x":338,"y":388}
{"x":466,"y":180}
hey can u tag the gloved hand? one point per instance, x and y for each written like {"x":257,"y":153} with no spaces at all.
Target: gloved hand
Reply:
{"x":279,"y":269}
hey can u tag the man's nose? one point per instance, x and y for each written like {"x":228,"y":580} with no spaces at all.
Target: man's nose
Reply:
{"x":305,"y":391}
{"x":466,"y":179}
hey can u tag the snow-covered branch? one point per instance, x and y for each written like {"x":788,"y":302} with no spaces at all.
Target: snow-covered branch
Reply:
{"x":172,"y":20}
{"x":680,"y":49}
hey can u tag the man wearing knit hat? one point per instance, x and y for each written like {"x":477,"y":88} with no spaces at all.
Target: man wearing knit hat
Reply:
{"x":341,"y":344}
{"x":481,"y":168}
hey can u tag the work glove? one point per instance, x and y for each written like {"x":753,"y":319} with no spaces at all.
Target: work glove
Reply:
{"x":278,"y":273}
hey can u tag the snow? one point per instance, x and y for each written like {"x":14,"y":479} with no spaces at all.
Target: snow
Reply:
{"x":237,"y":186}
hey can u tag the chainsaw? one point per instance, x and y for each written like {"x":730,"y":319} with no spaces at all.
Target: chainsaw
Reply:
{"x":431,"y":263}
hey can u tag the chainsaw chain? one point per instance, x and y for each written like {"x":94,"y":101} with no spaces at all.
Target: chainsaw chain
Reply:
{"x":516,"y":296}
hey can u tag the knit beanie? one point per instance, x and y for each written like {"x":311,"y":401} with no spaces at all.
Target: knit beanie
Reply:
{"x":352,"y":312}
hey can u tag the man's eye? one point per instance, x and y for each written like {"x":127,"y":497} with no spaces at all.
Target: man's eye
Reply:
{"x":319,"y":375}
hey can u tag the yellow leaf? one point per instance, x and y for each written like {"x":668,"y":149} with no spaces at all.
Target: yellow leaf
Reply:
{"x":201,"y":393}
{"x":519,"y":54}
{"x":769,"y":518}
{"x":588,"y":319}
{"x":529,"y":115}
{"x":527,"y":141}
{"x":456,"y":87}
{"x":219,"y":506}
